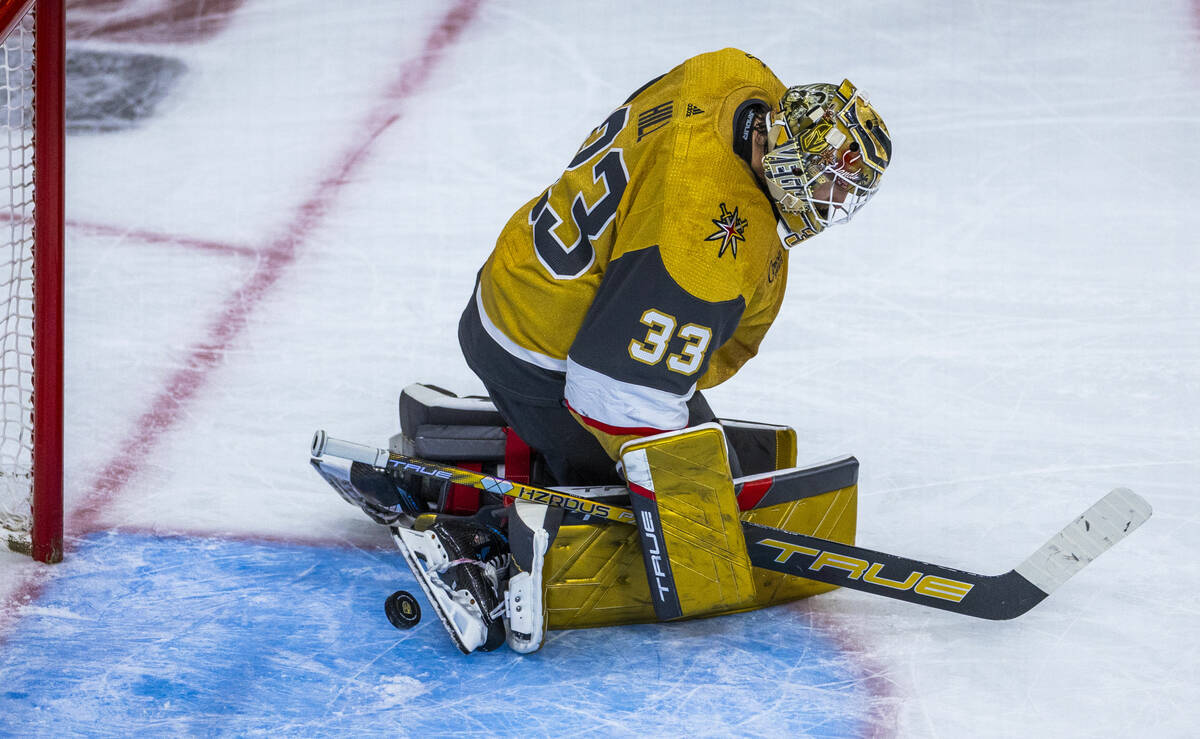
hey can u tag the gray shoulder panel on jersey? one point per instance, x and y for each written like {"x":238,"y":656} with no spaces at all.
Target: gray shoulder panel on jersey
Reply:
{"x":637,"y":329}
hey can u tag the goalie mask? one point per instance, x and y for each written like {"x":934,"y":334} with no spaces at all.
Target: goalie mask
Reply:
{"x":826,"y":151}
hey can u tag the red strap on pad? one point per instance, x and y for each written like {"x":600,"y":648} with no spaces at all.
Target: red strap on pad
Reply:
{"x":463,"y":500}
{"x":518,"y":460}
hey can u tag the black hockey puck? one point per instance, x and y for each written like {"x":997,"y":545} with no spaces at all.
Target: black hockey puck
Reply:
{"x":402,"y":609}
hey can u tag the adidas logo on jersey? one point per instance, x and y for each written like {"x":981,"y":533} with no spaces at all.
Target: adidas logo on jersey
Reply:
{"x":693,"y":110}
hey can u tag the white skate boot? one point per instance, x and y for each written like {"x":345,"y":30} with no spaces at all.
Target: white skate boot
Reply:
{"x":460,"y":562}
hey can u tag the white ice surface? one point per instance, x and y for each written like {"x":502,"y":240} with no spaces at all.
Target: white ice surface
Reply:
{"x":1009,"y":331}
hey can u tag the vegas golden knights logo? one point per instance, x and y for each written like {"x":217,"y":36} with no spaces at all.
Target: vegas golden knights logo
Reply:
{"x":731,"y":230}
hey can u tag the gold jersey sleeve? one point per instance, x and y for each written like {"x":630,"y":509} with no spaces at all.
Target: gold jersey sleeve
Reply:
{"x":654,"y":259}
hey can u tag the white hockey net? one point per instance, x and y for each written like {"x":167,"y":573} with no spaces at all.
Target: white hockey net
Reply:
{"x":16,"y":287}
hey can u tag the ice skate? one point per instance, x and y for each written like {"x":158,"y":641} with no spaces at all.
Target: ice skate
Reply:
{"x":460,"y":563}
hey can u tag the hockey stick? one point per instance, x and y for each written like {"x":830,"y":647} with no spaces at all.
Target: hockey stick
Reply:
{"x":996,"y":597}
{"x":384,"y":459}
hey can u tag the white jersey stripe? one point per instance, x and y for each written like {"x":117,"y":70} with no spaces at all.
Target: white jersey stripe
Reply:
{"x":623,"y":404}
{"x":528,"y":355}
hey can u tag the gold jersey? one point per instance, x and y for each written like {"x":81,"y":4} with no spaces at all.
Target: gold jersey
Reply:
{"x":654,"y":266}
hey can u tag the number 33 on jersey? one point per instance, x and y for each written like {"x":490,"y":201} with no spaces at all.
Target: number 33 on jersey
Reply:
{"x":653,"y":266}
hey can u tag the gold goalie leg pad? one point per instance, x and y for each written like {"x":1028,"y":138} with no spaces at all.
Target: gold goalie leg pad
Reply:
{"x":688,"y":520}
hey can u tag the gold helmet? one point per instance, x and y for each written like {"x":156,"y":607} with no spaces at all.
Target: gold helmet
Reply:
{"x":826,"y":151}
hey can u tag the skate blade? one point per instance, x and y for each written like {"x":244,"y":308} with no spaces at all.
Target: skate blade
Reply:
{"x":436,"y":595}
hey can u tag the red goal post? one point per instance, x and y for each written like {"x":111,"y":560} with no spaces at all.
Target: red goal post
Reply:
{"x":31,"y":341}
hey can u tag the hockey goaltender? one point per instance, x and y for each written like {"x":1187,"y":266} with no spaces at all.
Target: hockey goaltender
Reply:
{"x":650,"y":270}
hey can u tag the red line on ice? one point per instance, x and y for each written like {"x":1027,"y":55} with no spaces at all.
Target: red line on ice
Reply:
{"x":148,"y":237}
{"x":154,"y":237}
{"x":182,"y":387}
{"x":882,"y":715}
